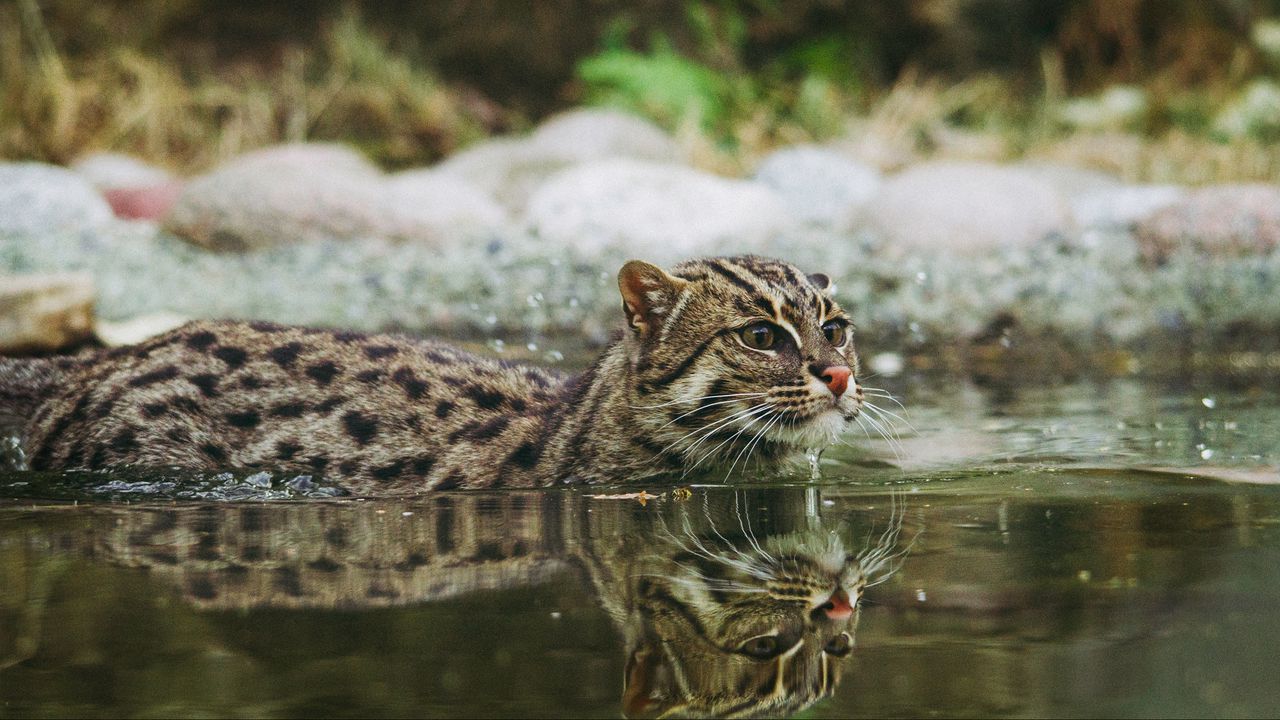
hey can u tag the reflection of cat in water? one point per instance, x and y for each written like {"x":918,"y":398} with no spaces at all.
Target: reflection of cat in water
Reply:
{"x":713,"y":628}
{"x":714,"y":621}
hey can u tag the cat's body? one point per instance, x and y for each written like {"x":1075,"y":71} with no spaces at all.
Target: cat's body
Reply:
{"x":728,"y":359}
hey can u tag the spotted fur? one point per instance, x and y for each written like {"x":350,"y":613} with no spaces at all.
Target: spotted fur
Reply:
{"x":680,"y":390}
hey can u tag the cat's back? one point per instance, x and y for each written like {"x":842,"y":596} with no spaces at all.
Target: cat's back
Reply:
{"x":222,"y":394}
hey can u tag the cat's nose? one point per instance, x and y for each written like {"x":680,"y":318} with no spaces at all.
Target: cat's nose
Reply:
{"x":837,"y":607}
{"x":836,"y":377}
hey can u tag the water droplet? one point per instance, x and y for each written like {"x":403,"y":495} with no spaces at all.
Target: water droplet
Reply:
{"x":814,"y":455}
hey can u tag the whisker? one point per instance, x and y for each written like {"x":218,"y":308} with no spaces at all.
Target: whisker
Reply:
{"x":697,"y":399}
{"x":708,"y":429}
{"x":889,"y":413}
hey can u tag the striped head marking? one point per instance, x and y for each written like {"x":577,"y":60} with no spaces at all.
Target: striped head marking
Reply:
{"x":738,"y":357}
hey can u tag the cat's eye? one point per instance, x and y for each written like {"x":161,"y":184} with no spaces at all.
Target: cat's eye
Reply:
{"x":839,"y":646}
{"x":759,"y":336}
{"x":763,"y":647}
{"x":836,"y":331}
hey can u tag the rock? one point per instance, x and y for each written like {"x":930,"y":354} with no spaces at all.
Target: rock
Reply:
{"x":1222,"y":220}
{"x":450,"y":202}
{"x":290,"y":194}
{"x":1070,"y":181}
{"x":1120,"y":208}
{"x":37,"y":199}
{"x":657,"y":211}
{"x":146,"y":202}
{"x":965,"y":208}
{"x":596,"y":134}
{"x":509,"y":169}
{"x":109,"y":171}
{"x":819,"y":186}
{"x":40,"y":313}
{"x":137,"y":329}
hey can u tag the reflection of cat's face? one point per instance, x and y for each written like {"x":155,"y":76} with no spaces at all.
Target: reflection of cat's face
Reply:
{"x":760,"y":631}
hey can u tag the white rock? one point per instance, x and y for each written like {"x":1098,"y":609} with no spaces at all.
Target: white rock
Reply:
{"x":657,"y":211}
{"x":510,"y":169}
{"x":596,"y":134}
{"x":965,"y":208}
{"x":37,"y":199}
{"x":45,"y":312}
{"x":450,"y":202}
{"x":1124,"y":206}
{"x":1070,"y":181}
{"x":290,"y":194}
{"x":111,"y":171}
{"x":507,"y":169}
{"x":819,"y":186}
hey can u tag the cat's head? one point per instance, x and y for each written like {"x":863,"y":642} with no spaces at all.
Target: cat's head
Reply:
{"x":738,"y":356}
{"x":758,"y":630}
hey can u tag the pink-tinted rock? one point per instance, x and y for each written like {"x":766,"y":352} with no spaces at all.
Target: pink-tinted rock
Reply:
{"x":150,"y":202}
{"x":1223,"y":220}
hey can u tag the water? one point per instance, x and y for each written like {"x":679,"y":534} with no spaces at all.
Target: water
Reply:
{"x":1097,"y":548}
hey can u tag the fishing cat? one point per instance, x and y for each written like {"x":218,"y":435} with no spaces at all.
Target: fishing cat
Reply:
{"x":723,"y":360}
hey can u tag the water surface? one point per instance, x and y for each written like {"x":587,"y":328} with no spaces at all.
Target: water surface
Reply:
{"x":1099,"y":548}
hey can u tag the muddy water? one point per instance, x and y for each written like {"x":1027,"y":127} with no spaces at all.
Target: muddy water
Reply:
{"x":1107,"y":548}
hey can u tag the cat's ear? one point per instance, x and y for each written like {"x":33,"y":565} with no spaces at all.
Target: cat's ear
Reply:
{"x":820,"y":281}
{"x":648,"y":293}
{"x":646,"y":684}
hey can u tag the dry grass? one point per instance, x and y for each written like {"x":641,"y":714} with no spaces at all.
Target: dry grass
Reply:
{"x":349,"y":88}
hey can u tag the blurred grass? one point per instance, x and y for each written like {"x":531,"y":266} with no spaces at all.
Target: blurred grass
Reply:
{"x":1154,"y":90}
{"x":348,"y":87}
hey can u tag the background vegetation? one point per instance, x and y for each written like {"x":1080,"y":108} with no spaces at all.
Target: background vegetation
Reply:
{"x":1153,"y":89}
